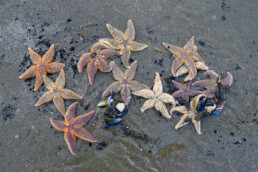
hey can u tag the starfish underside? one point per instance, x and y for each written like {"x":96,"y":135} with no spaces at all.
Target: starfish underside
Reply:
{"x":56,"y":92}
{"x":156,"y":98}
{"x":123,"y":41}
{"x":73,"y":127}
{"x":186,"y":60}
{"x":41,"y":66}
{"x":96,"y":59}
{"x":124,"y":82}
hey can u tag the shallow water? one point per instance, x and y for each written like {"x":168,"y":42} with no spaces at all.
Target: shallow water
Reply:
{"x":226,"y":36}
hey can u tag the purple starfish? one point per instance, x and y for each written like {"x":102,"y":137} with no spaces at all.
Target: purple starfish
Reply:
{"x":211,"y":84}
{"x":184,"y":90}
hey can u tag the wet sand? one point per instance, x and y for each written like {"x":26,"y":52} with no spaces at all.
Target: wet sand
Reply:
{"x":226,"y":36}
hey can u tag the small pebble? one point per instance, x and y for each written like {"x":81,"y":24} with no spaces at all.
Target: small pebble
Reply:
{"x":16,"y":136}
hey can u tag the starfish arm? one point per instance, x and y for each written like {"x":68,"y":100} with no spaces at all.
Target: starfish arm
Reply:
{"x":35,"y":58}
{"x":178,"y":93}
{"x":178,"y":85}
{"x":113,"y":43}
{"x":83,"y":119}
{"x":176,"y":64}
{"x":145,"y":93}
{"x":161,"y":107}
{"x":46,"y":97}
{"x":54,"y":67}
{"x":83,"y":134}
{"x":103,"y":65}
{"x":173,"y":49}
{"x":59,"y":125}
{"x":136,"y":46}
{"x":209,"y":109}
{"x":98,"y":46}
{"x":91,"y":70}
{"x":194,"y":55}
{"x":59,"y":104}
{"x":49,"y":84}
{"x":115,"y":87}
{"x":201,"y":66}
{"x":190,"y":76}
{"x":49,"y":55}
{"x":106,"y":53}
{"x":157,"y":88}
{"x":68,"y":94}
{"x":181,"y":122}
{"x":148,"y":104}
{"x":206,"y":83}
{"x":189,"y":44}
{"x":29,"y":73}
{"x":39,"y":80}
{"x":209,"y":93}
{"x":83,"y":61}
{"x":192,"y":69}
{"x":136,"y":86}
{"x":131,"y":70}
{"x":166,"y":98}
{"x":197,"y":125}
{"x":130,"y":31}
{"x":125,"y":92}
{"x":117,"y":34}
{"x":194,"y":92}
{"x":211,"y":74}
{"x":117,"y":72}
{"x":70,"y":113}
{"x":181,"y":71}
{"x":60,"y":80}
{"x":180,"y":109}
{"x":227,"y":81}
{"x":70,"y":140}
{"x":125,"y":56}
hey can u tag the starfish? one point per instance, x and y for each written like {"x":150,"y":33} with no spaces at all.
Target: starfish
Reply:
{"x":124,"y":82}
{"x":196,"y":106}
{"x":41,"y":66}
{"x":96,"y":59}
{"x":212,"y":83}
{"x":184,"y":90}
{"x":56,"y":92}
{"x":73,"y":127}
{"x":124,"y":41}
{"x":186,"y":56}
{"x":156,"y":98}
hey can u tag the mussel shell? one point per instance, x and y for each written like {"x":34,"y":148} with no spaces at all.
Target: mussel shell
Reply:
{"x":112,"y":121}
{"x":201,"y":105}
{"x":120,"y":107}
{"x":102,"y":104}
{"x":216,"y":112}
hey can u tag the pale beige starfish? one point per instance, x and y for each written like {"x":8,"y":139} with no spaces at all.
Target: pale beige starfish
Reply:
{"x":123,"y":41}
{"x":57,"y":92}
{"x":191,"y":113}
{"x":156,"y":98}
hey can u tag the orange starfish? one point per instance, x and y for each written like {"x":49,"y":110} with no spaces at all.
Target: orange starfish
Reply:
{"x":124,"y":41}
{"x":41,"y":66}
{"x":187,"y":56}
{"x":57,"y":92}
{"x":96,"y":59}
{"x":124,"y":82}
{"x":73,"y":127}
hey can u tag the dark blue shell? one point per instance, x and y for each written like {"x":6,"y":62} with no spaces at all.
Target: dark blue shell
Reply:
{"x":201,"y":105}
